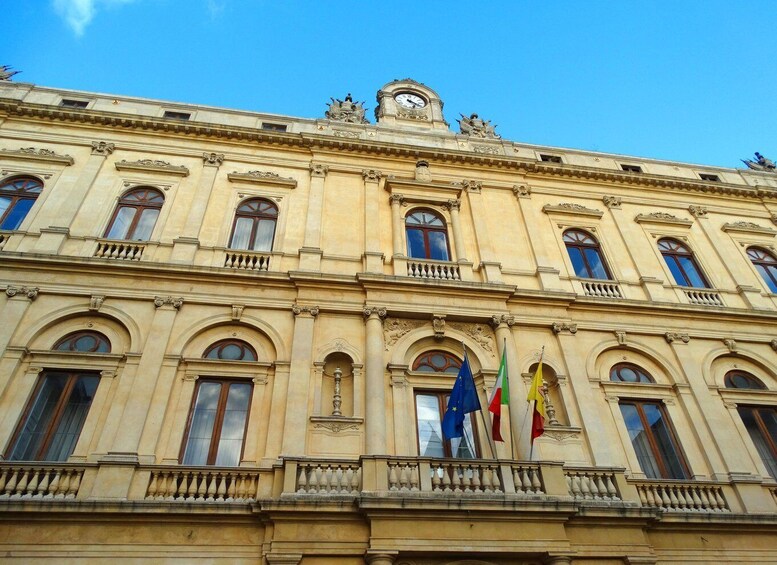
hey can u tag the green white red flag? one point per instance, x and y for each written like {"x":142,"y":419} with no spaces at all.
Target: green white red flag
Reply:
{"x":500,"y":396}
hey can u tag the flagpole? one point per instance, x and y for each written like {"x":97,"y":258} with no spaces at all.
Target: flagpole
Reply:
{"x":483,"y":418}
{"x":512,"y":439}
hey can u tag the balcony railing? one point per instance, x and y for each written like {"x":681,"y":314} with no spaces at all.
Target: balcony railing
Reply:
{"x":39,"y":482}
{"x":602,"y":289}
{"x":677,"y":496}
{"x":433,"y":270}
{"x":592,"y":484}
{"x":126,"y":250}
{"x":247,"y":260}
{"x":3,"y":239}
{"x":181,"y":484}
{"x":328,"y":478}
{"x":703,"y":297}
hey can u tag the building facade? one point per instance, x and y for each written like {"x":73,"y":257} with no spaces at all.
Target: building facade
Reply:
{"x":229,"y":337}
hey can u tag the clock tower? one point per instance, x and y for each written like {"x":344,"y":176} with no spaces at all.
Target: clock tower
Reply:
{"x":407,"y":103}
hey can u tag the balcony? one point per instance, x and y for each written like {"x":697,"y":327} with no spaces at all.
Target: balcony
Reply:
{"x":601,"y":289}
{"x":247,"y":260}
{"x":703,"y":297}
{"x":433,"y":270}
{"x":37,"y":481}
{"x":123,"y":250}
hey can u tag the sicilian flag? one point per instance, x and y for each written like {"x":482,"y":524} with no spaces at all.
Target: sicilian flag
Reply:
{"x":499,"y":396}
{"x":535,"y":394}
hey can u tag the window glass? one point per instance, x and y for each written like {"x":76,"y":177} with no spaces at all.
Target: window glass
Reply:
{"x":234,"y":425}
{"x":653,"y":440}
{"x":761,"y":424}
{"x":415,"y":243}
{"x":766,"y":265}
{"x":438,"y":246}
{"x":203,"y":420}
{"x":585,"y":255}
{"x":264,"y":234}
{"x":242,"y":233}
{"x":122,"y":223}
{"x":740,"y":379}
{"x":254,"y":227}
{"x":16,"y":215}
{"x":693,"y":277}
{"x":17,"y":195}
{"x":430,"y":443}
{"x":231,"y":350}
{"x":145,"y":224}
{"x":682,"y":264}
{"x":595,"y":262}
{"x":427,"y":236}
{"x":5,"y":203}
{"x":136,"y":215}
{"x":677,"y":272}
{"x":437,"y":362}
{"x":87,"y":342}
{"x":628,"y":373}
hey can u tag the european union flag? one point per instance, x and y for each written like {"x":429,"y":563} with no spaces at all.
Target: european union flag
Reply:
{"x":463,"y":400}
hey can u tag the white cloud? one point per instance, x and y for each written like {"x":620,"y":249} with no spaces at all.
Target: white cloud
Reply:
{"x":79,"y":13}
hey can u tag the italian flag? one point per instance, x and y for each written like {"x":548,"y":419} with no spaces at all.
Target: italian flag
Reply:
{"x":535,"y":394}
{"x":499,"y":396}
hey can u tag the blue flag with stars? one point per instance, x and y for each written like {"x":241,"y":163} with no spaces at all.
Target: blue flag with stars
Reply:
{"x":463,"y":400}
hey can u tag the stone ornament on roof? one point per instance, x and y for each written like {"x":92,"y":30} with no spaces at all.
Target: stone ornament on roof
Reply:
{"x":6,"y":72}
{"x":346,"y":111}
{"x":476,"y":127}
{"x":761,"y":163}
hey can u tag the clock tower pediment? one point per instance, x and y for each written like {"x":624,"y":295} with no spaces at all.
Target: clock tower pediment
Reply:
{"x":408,"y":103}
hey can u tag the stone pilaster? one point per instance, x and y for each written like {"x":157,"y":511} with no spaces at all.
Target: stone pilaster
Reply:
{"x":375,"y":414}
{"x":18,"y":299}
{"x":373,"y":257}
{"x":397,"y":226}
{"x":502,"y":324}
{"x":310,"y":253}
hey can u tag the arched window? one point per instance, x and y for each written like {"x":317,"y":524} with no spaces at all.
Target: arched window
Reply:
{"x":427,"y":237}
{"x":760,"y":421}
{"x":430,"y":408}
{"x":628,"y":373}
{"x":254,"y":227}
{"x":653,"y":439}
{"x":740,"y":379}
{"x":437,"y":362}
{"x":681,"y":262}
{"x":17,"y":196}
{"x":136,"y":215}
{"x":231,"y":350}
{"x":585,"y":254}
{"x":85,"y":342}
{"x":766,"y":264}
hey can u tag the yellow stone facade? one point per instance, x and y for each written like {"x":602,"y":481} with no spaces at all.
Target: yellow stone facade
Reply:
{"x":338,"y":291}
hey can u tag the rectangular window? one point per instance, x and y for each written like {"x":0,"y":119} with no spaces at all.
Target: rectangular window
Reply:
{"x":273,"y":127}
{"x":53,"y":420}
{"x":66,"y":103}
{"x":761,"y":424}
{"x":710,"y":178}
{"x":217,"y":423}
{"x":176,"y":115}
{"x":430,"y":409}
{"x":550,"y":158}
{"x":632,"y":168}
{"x":653,"y":440}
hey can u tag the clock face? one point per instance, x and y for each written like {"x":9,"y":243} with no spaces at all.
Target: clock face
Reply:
{"x":408,"y":100}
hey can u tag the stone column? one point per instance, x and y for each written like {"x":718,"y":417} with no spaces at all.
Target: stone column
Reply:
{"x":185,"y":246}
{"x":375,"y":414}
{"x":251,"y":441}
{"x":310,"y":253}
{"x":275,"y":432}
{"x":99,"y":404}
{"x":373,"y":257}
{"x":458,"y":240}
{"x":19,"y":298}
{"x":557,"y":560}
{"x":55,"y":224}
{"x":377,"y":557}
{"x":397,"y":228}
{"x":491,"y":269}
{"x":504,"y":337}
{"x":296,"y":421}
{"x":133,"y":419}
{"x":535,"y":225}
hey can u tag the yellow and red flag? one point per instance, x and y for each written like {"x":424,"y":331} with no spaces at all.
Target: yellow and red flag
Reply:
{"x":535,"y":394}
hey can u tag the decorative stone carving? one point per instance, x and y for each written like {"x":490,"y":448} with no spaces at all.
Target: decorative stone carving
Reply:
{"x":559,"y":327}
{"x":761,"y":163}
{"x":522,"y":190}
{"x":661,"y":218}
{"x":160,"y":301}
{"x":731,"y":344}
{"x":469,"y":185}
{"x":345,"y":133}
{"x":671,"y":337}
{"x":395,"y":329}
{"x":612,"y":201}
{"x":33,"y":154}
{"x":747,"y":227}
{"x":263,"y":177}
{"x":397,"y":199}
{"x":96,"y":302}
{"x":102,"y":148}
{"x":560,"y":433}
{"x":213,"y":159}
{"x":773,"y":343}
{"x":452,"y":204}
{"x":499,"y":319}
{"x":422,"y":171}
{"x":570,"y":208}
{"x":346,"y":110}
{"x":411,"y":114}
{"x":487,"y":149}
{"x":30,"y":292}
{"x":620,"y":335}
{"x":336,"y":427}
{"x":6,"y":72}
{"x":371,"y":175}
{"x":476,"y":127}
{"x":479,"y":333}
{"x":310,"y":310}
{"x":438,"y":325}
{"x":152,"y":165}
{"x":697,"y":211}
{"x":370,"y":310}
{"x":318,"y":170}
{"x":237,"y":311}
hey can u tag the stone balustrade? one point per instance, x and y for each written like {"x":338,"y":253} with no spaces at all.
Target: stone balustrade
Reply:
{"x":39,"y":481}
{"x":181,"y":484}
{"x":125,"y":250}
{"x":703,"y":297}
{"x":434,"y":270}
{"x":591,"y":484}
{"x":682,"y":496}
{"x":467,"y":477}
{"x":602,"y":289}
{"x":328,"y":478}
{"x":3,"y":239}
{"x":247,"y":260}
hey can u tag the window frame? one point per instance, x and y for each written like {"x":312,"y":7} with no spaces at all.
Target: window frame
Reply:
{"x":674,"y":255}
{"x":257,"y":219}
{"x":770,"y":441}
{"x":765,"y":265}
{"x":76,"y":335}
{"x":581,"y":247}
{"x":218,"y":419}
{"x":615,"y":369}
{"x":140,"y":208}
{"x":18,"y":195}
{"x":73,"y":376}
{"x":425,"y":232}
{"x":442,"y":403}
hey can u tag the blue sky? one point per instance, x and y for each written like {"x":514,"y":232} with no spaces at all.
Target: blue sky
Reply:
{"x":691,"y":81}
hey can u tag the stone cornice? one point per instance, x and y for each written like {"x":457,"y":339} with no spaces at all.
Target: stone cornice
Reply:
{"x":662,"y":218}
{"x":324,"y":142}
{"x":573,"y":209}
{"x":747,"y":227}
{"x":263,"y":177}
{"x":34,"y":154}
{"x":152,"y":166}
